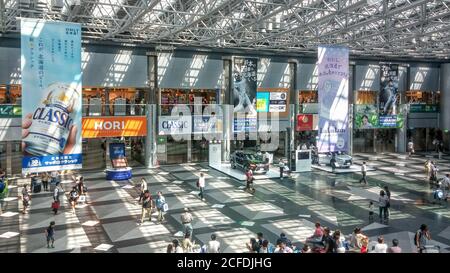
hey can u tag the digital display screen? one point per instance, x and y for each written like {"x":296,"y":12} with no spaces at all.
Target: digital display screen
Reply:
{"x":302,"y":155}
{"x":262,"y":102}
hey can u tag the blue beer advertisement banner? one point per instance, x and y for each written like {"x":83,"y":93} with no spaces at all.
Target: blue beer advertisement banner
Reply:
{"x":333,"y":99}
{"x":116,"y":150}
{"x":51,"y":92}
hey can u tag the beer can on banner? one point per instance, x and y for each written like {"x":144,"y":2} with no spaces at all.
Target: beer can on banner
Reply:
{"x":52,"y":121}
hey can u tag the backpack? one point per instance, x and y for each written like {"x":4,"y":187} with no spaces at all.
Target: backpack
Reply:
{"x":417,"y":237}
{"x":2,"y":186}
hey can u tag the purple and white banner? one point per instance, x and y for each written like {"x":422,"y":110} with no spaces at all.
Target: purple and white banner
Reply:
{"x":333,"y":99}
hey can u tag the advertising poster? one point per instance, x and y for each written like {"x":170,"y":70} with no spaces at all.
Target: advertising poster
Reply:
{"x":278,"y":102}
{"x":305,"y":122}
{"x":388,"y":121}
{"x":333,"y":98}
{"x":389,"y":96}
{"x":96,"y":127}
{"x":51,"y":92}
{"x":116,"y":150}
{"x":242,"y":125}
{"x":262,"y":102}
{"x":172,"y":125}
{"x":207,"y":124}
{"x":244,"y":85}
{"x":366,"y":116}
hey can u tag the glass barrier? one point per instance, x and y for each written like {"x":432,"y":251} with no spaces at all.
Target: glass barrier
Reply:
{"x":114,"y":109}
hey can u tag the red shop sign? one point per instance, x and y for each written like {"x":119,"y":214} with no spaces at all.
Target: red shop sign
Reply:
{"x":304,"y":122}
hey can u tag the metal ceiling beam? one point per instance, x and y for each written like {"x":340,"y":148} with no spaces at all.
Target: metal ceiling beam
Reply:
{"x":2,"y":16}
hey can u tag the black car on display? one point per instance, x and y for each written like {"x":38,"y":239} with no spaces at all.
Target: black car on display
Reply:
{"x":247,"y":159}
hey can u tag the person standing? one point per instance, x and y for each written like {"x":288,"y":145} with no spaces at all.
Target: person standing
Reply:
{"x":427,"y":169}
{"x":333,"y":162}
{"x":186,"y":220}
{"x":410,"y":147}
{"x":370,"y":211}
{"x":44,"y":178}
{"x":144,"y":187}
{"x":213,"y":245}
{"x":201,"y":185}
{"x":50,"y":234}
{"x":382,"y":202}
{"x":160,"y":202}
{"x":25,"y":198}
{"x":249,"y":178}
{"x":394,"y":248}
{"x":445,"y":186}
{"x":380,"y":247}
{"x":364,"y":173}
{"x":281,"y":166}
{"x":421,"y":238}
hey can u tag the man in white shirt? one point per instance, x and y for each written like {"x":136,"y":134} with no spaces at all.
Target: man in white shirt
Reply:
{"x":380,"y":247}
{"x":201,"y":185}
{"x":364,"y":172}
{"x":213,"y":245}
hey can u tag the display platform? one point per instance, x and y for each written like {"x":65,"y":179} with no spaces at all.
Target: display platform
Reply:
{"x":118,"y":174}
{"x":352,"y":169}
{"x":240,"y":175}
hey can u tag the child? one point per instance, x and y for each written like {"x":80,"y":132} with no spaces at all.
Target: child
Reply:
{"x":371,"y":211}
{"x":50,"y":233}
{"x":365,"y":244}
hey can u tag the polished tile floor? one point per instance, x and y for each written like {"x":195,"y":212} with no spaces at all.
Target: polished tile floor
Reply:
{"x":108,"y":222}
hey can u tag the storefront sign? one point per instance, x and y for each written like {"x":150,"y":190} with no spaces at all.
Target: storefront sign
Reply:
{"x":51,"y":92}
{"x":389,"y":89}
{"x":333,"y":98}
{"x":10,"y":111}
{"x":305,"y":122}
{"x":244,"y":85}
{"x":96,"y":127}
{"x":423,"y":108}
{"x":175,"y":125}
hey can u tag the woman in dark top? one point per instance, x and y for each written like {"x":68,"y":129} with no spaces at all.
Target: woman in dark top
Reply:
{"x":388,"y":204}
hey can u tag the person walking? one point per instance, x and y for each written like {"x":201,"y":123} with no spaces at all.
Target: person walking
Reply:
{"x":410,"y":147}
{"x":187,"y":244}
{"x":146,"y":206}
{"x":388,"y":203}
{"x":56,"y":192}
{"x":281,"y":166}
{"x":249,"y":177}
{"x":25,"y":198}
{"x":421,"y":237}
{"x":201,"y":185}
{"x":45,"y":178}
{"x":445,"y":186}
{"x":73,"y":197}
{"x":363,"y":172}
{"x":382,"y":202}
{"x":50,"y":234}
{"x":427,"y":169}
{"x":160,"y":202}
{"x":186,"y":220}
{"x":144,"y":187}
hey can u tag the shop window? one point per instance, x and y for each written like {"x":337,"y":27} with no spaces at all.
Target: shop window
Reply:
{"x":11,"y":94}
{"x":420,"y":97}
{"x":366,"y":97}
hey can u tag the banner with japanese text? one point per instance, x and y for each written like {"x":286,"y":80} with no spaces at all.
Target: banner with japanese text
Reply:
{"x":333,"y":98}
{"x":51,"y":95}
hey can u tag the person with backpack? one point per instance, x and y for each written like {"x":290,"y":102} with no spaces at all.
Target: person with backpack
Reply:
{"x":73,"y":197}
{"x":25,"y":198}
{"x":160,"y":206}
{"x":146,"y":206}
{"x":186,"y":220}
{"x":50,"y":234}
{"x":421,"y":238}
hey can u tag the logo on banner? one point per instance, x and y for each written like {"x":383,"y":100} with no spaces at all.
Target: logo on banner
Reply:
{"x":304,"y":122}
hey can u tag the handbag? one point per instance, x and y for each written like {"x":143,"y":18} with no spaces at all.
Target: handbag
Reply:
{"x":55,"y":205}
{"x":82,"y":198}
{"x":165,"y":207}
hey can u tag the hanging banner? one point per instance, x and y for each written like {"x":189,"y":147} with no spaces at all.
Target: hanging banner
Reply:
{"x":333,"y":99}
{"x":389,"y":96}
{"x":51,"y":92}
{"x":244,"y":85}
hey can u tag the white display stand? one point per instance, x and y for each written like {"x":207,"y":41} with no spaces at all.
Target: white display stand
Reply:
{"x":215,"y":154}
{"x":302,"y":161}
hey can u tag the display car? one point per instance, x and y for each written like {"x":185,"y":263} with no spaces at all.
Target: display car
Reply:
{"x":247,"y":159}
{"x":342,"y":160}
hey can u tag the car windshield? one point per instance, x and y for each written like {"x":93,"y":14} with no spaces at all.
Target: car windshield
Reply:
{"x":253,"y":157}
